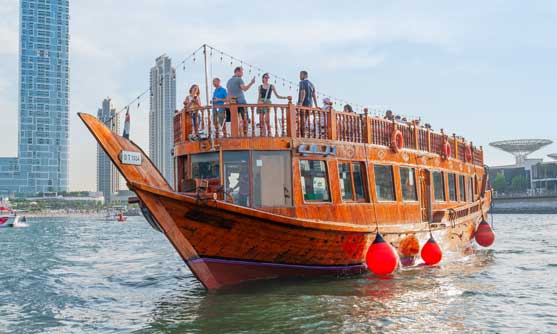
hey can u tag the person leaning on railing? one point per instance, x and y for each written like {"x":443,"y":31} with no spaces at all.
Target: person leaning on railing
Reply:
{"x":264,"y":97}
{"x":191,"y":102}
{"x":236,"y":87}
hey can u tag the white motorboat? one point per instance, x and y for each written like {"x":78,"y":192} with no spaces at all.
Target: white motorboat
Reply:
{"x":8,"y":217}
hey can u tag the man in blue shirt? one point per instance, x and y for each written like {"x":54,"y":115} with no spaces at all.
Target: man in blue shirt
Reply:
{"x":307,"y":91}
{"x":219,"y":97}
{"x":305,"y":99}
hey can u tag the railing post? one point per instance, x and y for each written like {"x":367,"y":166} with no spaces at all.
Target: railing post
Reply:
{"x":428,"y":139}
{"x":332,"y":120}
{"x":186,"y":124}
{"x":291,"y":119}
{"x":367,"y":127}
{"x":455,"y":144}
{"x":233,"y":117}
{"x":416,"y":136}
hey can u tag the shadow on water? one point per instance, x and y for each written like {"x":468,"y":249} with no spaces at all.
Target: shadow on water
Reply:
{"x":415,"y":298}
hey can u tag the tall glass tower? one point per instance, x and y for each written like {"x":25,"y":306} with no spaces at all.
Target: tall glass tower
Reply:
{"x":43,"y":95}
{"x":108,"y":177}
{"x":161,"y":113}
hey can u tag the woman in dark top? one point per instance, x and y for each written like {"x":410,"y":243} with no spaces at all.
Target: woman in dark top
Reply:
{"x":264,"y":97}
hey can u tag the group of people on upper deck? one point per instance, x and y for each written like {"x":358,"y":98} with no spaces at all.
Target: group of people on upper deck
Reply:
{"x":235,"y":87}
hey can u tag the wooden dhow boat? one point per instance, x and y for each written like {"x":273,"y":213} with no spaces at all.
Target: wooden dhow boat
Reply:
{"x":307,"y":197}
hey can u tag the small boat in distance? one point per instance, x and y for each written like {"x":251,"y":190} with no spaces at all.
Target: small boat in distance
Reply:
{"x":306,"y":197}
{"x":8,"y":217}
{"x":121,"y":218}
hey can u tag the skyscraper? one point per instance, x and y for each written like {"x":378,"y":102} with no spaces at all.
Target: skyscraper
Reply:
{"x":161,"y":113}
{"x":43,"y":93}
{"x":42,"y":165}
{"x":108,"y":177}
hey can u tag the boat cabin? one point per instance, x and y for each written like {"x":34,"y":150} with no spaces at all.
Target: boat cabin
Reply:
{"x":326,"y":165}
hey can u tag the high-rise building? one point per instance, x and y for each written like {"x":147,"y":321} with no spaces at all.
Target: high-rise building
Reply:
{"x":161,"y":113}
{"x":108,"y":177}
{"x":42,"y":165}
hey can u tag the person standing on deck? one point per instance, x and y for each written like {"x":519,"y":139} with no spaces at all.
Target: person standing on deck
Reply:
{"x":191,"y":104}
{"x":306,"y":96}
{"x":264,"y":97}
{"x":307,"y":91}
{"x":236,"y":87}
{"x":219,"y":114}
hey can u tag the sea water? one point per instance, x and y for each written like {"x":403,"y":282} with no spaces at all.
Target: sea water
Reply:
{"x":75,"y":275}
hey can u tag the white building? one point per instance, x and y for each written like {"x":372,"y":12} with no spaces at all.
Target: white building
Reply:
{"x":108,"y":177}
{"x":161,"y":113}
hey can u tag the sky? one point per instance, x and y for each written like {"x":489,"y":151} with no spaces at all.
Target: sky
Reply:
{"x":483,"y":69}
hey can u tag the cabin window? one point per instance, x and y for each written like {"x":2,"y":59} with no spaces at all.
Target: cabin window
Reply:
{"x":351,"y":181}
{"x":359,"y":187}
{"x":438,"y":186}
{"x":462,"y":188}
{"x":236,"y":176}
{"x":470,"y":190}
{"x":313,"y":175}
{"x":205,"y":166}
{"x":408,"y":184}
{"x":452,"y":187}
{"x":345,"y":179}
{"x":272,"y":178}
{"x":384,"y":185}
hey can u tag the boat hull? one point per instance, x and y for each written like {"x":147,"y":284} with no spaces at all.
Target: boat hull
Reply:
{"x":228,"y":246}
{"x":8,"y":221}
{"x":233,"y":272}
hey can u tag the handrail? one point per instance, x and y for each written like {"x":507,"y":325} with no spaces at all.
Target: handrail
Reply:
{"x":233,"y":120}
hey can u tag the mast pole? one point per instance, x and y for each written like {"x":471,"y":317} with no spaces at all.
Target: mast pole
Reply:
{"x":206,"y":75}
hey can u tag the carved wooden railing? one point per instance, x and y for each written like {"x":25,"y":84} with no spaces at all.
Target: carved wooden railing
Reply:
{"x":290,"y":120}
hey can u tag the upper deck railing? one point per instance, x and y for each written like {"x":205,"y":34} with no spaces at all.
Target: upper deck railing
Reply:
{"x":290,"y":120}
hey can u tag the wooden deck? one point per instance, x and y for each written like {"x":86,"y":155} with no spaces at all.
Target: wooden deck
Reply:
{"x":292,"y":121}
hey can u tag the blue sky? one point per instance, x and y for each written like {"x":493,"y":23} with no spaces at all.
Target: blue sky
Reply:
{"x":485,"y":69}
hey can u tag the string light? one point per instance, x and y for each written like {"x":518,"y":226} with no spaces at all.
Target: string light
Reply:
{"x":193,"y":56}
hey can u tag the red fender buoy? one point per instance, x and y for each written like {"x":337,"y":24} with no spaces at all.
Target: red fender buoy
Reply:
{"x":484,"y":234}
{"x":381,"y":259}
{"x":431,"y":252}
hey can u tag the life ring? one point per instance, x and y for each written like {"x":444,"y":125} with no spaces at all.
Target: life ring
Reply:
{"x":468,"y":154}
{"x":446,"y":150}
{"x":397,"y":141}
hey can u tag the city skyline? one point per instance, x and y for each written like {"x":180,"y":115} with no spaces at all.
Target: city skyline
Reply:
{"x":458,"y":67}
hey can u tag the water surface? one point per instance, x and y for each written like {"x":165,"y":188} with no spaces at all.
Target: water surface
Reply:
{"x":91,"y":276}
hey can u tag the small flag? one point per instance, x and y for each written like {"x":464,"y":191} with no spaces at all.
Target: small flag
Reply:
{"x":127,"y":124}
